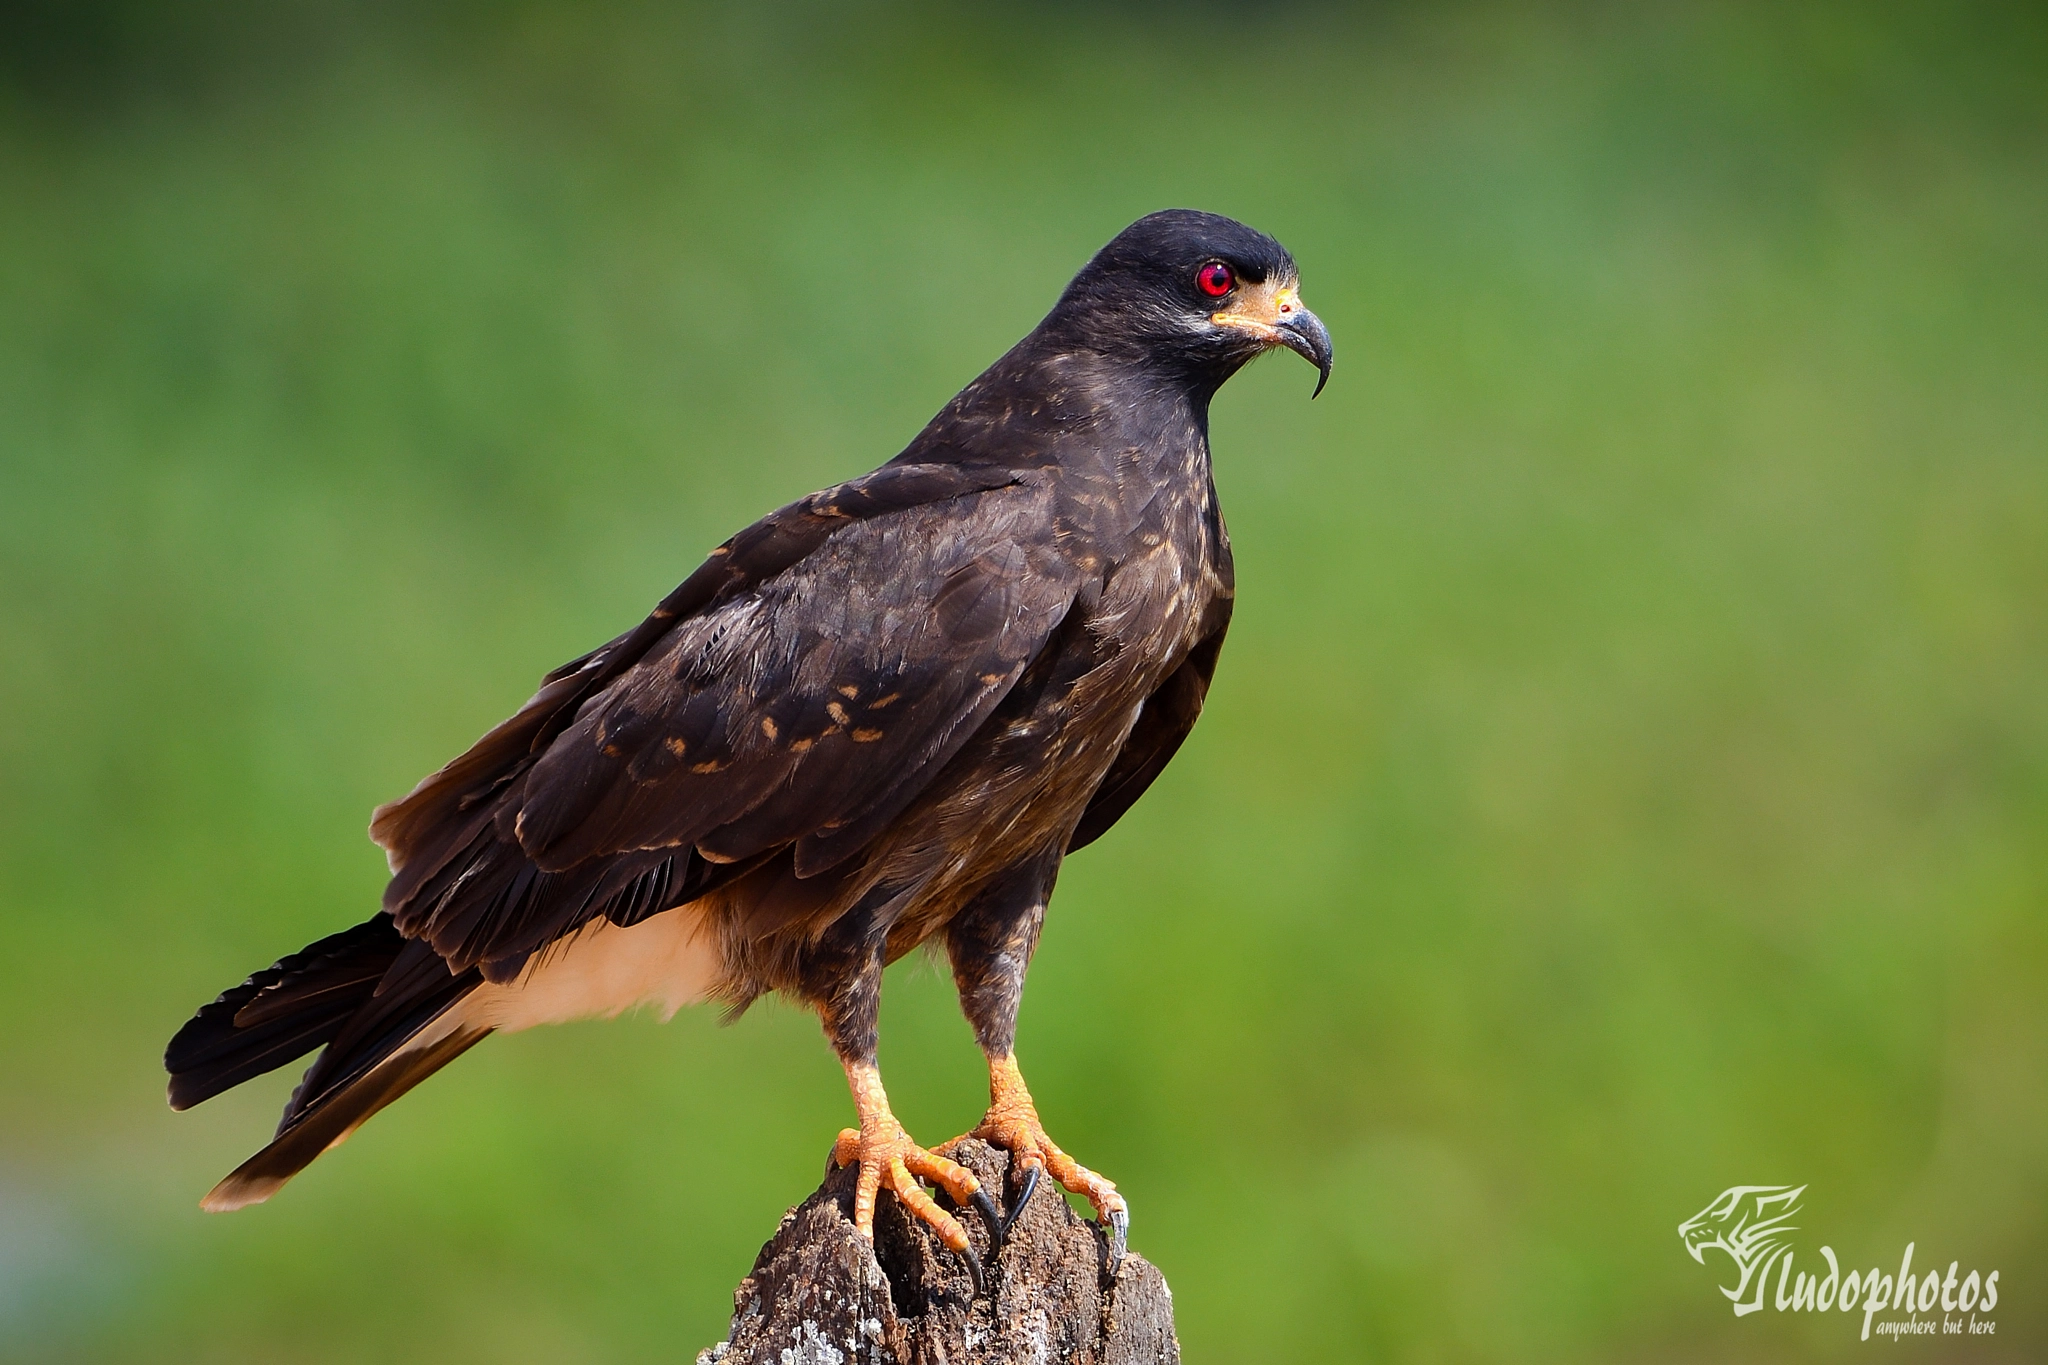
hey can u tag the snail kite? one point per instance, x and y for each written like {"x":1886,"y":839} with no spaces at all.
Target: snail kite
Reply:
{"x":881,"y":715}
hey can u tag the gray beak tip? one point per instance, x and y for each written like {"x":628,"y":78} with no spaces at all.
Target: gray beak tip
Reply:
{"x":1305,"y":335}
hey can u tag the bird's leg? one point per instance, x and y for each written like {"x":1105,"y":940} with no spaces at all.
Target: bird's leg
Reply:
{"x":990,"y":943}
{"x":880,"y":1147}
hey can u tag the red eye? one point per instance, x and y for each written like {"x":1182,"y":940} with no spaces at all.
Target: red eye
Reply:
{"x":1216,"y":279}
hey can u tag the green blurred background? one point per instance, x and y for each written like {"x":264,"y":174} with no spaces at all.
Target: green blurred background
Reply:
{"x":1628,"y":776}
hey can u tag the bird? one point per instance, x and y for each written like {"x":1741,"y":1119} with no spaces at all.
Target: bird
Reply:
{"x":878,"y":718}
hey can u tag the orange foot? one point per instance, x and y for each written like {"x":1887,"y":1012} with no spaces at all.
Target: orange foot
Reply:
{"x":1012,"y":1123}
{"x":887,"y":1156}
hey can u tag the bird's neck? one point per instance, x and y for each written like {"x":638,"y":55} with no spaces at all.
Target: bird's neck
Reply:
{"x":1045,"y":404}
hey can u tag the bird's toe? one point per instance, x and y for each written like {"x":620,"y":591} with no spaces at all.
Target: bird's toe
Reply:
{"x":889,"y":1160}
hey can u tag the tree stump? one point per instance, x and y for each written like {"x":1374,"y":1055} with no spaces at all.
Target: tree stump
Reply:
{"x":819,"y":1296}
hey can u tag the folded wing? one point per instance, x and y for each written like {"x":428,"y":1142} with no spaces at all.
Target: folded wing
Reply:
{"x":825,"y":665}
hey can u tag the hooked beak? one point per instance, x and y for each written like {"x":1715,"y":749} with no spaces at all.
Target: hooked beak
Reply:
{"x":1273,"y":312}
{"x":1303,"y":333}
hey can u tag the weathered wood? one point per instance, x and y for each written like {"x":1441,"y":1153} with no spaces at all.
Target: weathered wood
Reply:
{"x":818,"y":1296}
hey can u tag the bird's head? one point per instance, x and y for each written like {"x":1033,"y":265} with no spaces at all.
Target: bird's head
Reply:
{"x":1191,"y":294}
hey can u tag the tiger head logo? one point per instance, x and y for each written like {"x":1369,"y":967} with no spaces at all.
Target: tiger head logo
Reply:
{"x":1747,"y":1222}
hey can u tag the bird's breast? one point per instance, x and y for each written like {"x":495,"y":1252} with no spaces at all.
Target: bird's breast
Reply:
{"x":1159,"y":579}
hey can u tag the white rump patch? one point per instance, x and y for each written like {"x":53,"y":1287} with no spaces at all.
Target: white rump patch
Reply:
{"x":669,"y":961}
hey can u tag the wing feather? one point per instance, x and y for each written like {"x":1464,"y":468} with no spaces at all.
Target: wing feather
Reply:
{"x":1164,"y":723}
{"x":427,"y":826}
{"x":801,"y":710}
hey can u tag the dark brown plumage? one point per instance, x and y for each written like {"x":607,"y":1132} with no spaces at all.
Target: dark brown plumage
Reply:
{"x":882,"y":714}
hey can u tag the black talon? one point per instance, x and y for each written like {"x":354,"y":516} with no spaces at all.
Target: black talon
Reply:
{"x":1024,"y":1193}
{"x":973,"y":1268}
{"x":998,"y":1230}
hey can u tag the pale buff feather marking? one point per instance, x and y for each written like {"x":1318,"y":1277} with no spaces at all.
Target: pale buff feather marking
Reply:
{"x":669,"y":961}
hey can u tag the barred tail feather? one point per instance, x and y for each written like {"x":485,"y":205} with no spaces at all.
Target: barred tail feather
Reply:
{"x":388,"y":1011}
{"x":328,"y":1121}
{"x":391,"y":1013}
{"x":281,"y":1013}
